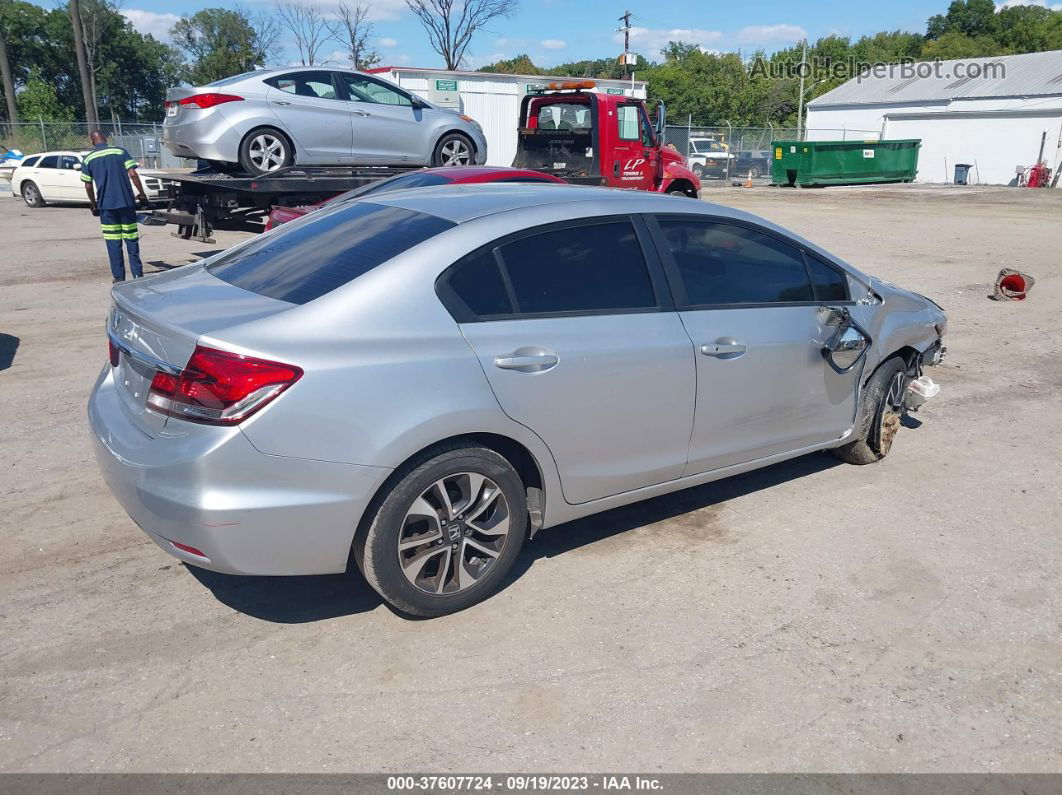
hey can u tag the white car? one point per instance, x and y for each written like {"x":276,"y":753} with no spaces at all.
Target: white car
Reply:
{"x":709,"y":158}
{"x":56,"y":177}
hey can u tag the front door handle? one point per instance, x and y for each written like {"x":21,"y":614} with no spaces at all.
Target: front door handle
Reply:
{"x":536,"y":363}
{"x":361,"y":113}
{"x":724,"y":349}
{"x":281,"y":102}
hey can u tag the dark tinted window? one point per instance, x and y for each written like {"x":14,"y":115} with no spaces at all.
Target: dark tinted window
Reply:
{"x":51,"y":161}
{"x":304,"y":260}
{"x":477,"y":282}
{"x":30,"y":162}
{"x":729,"y":264}
{"x":580,"y":268}
{"x":68,"y":162}
{"x":306,"y":84}
{"x":830,"y":285}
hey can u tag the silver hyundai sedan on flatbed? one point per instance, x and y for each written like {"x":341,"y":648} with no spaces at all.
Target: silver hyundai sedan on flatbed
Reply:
{"x":315,"y":116}
{"x":427,"y":377}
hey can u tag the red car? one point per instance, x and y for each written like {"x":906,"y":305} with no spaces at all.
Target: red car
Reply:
{"x":418,"y":179}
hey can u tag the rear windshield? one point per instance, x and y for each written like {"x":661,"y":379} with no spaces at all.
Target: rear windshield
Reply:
{"x":303,"y":260}
{"x":418,"y":179}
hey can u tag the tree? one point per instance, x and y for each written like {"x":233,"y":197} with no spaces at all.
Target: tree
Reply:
{"x":956,"y":44}
{"x":222,"y":42}
{"x":309,"y":26}
{"x":451,"y":24}
{"x":38,"y":100}
{"x":1029,"y":29}
{"x":355,"y":31}
{"x":7,"y":82}
{"x":519,"y":65}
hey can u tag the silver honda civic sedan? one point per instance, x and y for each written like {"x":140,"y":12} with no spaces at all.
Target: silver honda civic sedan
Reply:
{"x":314,"y":116}
{"x":426,"y":378}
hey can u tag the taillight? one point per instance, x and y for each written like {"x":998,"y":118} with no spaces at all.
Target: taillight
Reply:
{"x":205,"y":101}
{"x":112,"y":350}
{"x":220,"y":388}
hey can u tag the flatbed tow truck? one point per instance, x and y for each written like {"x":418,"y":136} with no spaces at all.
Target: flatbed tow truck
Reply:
{"x":565,"y":129}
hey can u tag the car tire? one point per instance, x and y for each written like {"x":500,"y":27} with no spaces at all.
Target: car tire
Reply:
{"x":31,"y":194}
{"x":264,"y":151}
{"x":881,"y":413}
{"x":411,"y":518}
{"x":454,"y":149}
{"x":754,"y":171}
{"x":677,"y":192}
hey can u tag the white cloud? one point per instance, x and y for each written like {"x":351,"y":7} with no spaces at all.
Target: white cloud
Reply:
{"x":387,"y":41}
{"x":554,"y":44}
{"x":763,"y":34}
{"x":655,"y":39}
{"x":1041,"y":3}
{"x":158,"y":25}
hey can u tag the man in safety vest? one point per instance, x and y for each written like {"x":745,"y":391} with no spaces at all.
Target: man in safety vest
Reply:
{"x":111,"y":168}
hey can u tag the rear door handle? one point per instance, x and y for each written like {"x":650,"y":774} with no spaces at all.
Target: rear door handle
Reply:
{"x":281,"y":102}
{"x":527,"y":364}
{"x":361,"y":113}
{"x":724,"y":350}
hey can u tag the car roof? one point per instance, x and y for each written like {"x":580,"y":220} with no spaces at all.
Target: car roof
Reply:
{"x":465,"y":202}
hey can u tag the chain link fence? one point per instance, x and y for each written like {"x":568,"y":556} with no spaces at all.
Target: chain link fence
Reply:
{"x":727,"y":152}
{"x":143,"y":140}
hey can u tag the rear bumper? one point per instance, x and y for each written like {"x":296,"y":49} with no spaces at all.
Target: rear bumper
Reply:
{"x":209,"y":136}
{"x":208,"y":488}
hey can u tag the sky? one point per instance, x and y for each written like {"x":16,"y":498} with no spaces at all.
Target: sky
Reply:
{"x":557,"y":31}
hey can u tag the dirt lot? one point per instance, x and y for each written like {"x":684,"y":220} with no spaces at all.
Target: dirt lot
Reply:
{"x":811,"y":616}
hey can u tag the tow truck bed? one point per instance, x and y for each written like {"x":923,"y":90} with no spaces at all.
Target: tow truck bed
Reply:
{"x":202,"y":199}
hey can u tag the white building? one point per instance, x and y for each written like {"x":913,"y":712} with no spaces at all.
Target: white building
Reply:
{"x":988,"y":112}
{"x":491,"y":99}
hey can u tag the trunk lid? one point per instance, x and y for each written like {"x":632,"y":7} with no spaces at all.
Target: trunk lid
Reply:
{"x":156,"y":323}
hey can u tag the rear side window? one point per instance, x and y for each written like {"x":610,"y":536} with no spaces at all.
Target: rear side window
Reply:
{"x":830,"y":284}
{"x":304,"y":260}
{"x":588,"y":268}
{"x":722,"y":264}
{"x":306,"y":84}
{"x":591,"y":268}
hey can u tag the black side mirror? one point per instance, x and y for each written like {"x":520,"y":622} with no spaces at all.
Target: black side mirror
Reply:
{"x":848,"y":345}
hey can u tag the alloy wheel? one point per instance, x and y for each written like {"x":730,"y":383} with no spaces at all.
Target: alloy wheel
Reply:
{"x":267,"y":152}
{"x":456,"y":152}
{"x":453,"y":533}
{"x":31,"y":195}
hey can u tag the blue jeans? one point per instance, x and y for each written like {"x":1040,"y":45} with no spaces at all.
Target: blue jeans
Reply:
{"x":119,"y":225}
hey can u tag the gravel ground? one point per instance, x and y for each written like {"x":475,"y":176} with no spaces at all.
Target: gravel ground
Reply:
{"x":812,"y":616}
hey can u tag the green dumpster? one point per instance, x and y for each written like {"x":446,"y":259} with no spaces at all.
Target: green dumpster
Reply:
{"x":818,"y":163}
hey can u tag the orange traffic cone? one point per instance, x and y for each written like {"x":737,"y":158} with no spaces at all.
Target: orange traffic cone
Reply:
{"x":748,"y":182}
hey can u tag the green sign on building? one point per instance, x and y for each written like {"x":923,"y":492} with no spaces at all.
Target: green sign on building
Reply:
{"x":446,"y":85}
{"x":613,"y":90}
{"x":530,"y":87}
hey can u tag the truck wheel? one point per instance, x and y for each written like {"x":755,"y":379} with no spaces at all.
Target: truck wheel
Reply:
{"x":446,"y":534}
{"x":31,"y":194}
{"x":754,"y":171}
{"x":265,"y":150}
{"x":883,"y":399}
{"x":453,"y":149}
{"x":698,"y":169}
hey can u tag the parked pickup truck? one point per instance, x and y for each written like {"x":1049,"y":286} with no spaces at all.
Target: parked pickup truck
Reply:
{"x":599,"y":139}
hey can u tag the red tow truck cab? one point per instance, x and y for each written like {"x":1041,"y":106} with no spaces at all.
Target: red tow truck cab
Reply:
{"x":599,"y":139}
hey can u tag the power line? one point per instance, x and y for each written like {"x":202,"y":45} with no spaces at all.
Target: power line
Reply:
{"x":626,"y":20}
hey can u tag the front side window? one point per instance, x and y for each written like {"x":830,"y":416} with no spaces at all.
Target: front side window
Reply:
{"x":720,"y":264}
{"x":627,"y":117}
{"x":830,"y":284}
{"x":306,"y":84}
{"x":304,"y":260}
{"x":68,"y":162}
{"x":362,"y":89}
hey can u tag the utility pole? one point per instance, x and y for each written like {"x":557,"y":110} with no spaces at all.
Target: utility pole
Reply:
{"x":82,"y":65}
{"x":800,"y":104}
{"x":626,"y":20}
